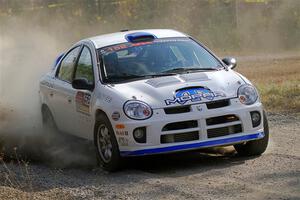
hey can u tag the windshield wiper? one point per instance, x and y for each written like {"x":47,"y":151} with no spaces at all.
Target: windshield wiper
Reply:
{"x":188,"y":69}
{"x":129,"y":76}
{"x":125,"y":76}
{"x":159,"y":75}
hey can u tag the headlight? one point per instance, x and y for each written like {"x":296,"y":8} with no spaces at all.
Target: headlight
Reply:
{"x":137,"y":110}
{"x":247,"y":94}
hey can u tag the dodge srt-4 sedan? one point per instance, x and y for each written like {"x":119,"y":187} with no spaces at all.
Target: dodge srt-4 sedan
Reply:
{"x":146,"y":92}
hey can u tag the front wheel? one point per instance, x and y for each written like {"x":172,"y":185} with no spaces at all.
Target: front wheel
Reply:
{"x":256,"y":147}
{"x":108,"y":153}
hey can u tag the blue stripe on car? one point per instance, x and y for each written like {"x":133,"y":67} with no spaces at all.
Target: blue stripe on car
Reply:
{"x":194,"y":145}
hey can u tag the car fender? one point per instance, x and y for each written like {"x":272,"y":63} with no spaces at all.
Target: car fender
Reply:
{"x":46,"y":85}
{"x":110,"y":102}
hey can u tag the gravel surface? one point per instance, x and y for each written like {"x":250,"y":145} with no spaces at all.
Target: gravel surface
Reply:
{"x":214,"y":174}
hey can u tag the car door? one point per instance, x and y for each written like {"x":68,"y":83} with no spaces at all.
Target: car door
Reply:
{"x":83,"y":98}
{"x":63,"y":93}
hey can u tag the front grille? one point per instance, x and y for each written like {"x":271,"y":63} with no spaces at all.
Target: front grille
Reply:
{"x":217,"y":104}
{"x":221,"y":119}
{"x":218,"y":132}
{"x":179,"y":137}
{"x":177,"y":110}
{"x":180,"y":125}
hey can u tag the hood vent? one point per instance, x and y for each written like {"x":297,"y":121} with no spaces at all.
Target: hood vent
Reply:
{"x":169,"y":80}
{"x":194,"y":77}
{"x":163,"y":81}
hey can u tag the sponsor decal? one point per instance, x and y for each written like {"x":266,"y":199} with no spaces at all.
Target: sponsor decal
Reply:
{"x":122,"y":133}
{"x":83,"y":101}
{"x":115,"y":116}
{"x":119,"y":47}
{"x":194,"y":94}
{"x":123,"y":141}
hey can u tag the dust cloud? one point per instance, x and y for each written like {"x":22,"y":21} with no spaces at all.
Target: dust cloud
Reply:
{"x":27,"y":52}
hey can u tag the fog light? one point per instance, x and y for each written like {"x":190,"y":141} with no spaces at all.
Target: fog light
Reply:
{"x":139,"y":135}
{"x":256,"y":118}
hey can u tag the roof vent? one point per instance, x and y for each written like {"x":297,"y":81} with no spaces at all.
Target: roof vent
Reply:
{"x":140,"y":37}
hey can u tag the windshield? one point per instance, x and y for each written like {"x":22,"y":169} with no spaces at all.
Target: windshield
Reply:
{"x":160,"y":57}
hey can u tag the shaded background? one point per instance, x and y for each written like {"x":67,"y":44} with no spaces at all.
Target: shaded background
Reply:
{"x":223,"y":25}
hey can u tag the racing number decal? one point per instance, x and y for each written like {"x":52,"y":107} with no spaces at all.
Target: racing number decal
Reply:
{"x":83,"y":102}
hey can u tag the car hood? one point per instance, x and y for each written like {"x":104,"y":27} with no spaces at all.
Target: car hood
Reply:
{"x":182,"y":89}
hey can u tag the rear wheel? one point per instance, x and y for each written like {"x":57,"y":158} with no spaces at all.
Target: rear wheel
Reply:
{"x":108,"y":153}
{"x":255,"y":147}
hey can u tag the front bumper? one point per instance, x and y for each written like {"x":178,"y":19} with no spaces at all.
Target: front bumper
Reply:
{"x":198,"y":145}
{"x":198,"y":113}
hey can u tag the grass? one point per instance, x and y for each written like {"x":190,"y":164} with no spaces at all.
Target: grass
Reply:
{"x":283,"y":97}
{"x":278,"y":82}
{"x":17,"y":180}
{"x":20,"y":179}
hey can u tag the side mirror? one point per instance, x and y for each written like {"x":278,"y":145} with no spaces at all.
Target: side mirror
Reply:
{"x":230,"y":62}
{"x":82,"y":84}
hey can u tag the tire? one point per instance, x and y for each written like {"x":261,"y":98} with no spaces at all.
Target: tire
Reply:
{"x":107,"y":148}
{"x":255,"y":147}
{"x":48,"y":120}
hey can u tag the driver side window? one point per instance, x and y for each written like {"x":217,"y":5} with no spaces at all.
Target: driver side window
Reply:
{"x":84,"y":67}
{"x":67,"y":65}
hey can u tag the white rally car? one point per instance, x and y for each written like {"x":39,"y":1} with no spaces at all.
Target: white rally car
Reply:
{"x":149,"y":92}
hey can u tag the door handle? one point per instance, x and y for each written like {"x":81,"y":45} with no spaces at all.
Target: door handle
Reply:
{"x":51,"y":94}
{"x":69,"y":100}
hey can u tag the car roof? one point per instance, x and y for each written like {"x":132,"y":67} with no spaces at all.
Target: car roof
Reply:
{"x":120,"y":37}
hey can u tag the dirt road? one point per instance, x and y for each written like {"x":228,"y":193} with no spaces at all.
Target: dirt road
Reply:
{"x":219,"y":174}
